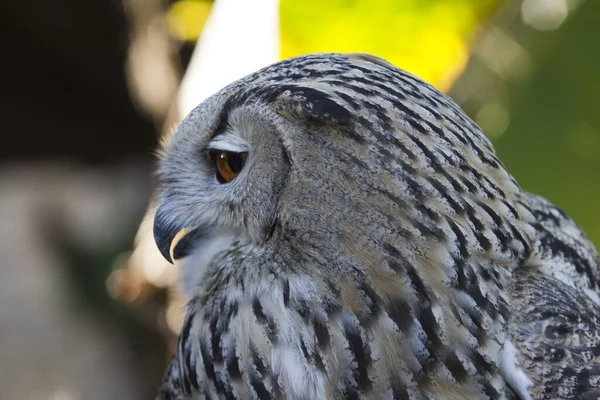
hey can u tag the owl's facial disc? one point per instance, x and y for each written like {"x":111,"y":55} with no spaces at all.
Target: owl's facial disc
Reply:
{"x":227,"y":152}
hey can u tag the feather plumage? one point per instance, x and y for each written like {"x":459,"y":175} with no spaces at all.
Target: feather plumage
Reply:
{"x":376,"y":248}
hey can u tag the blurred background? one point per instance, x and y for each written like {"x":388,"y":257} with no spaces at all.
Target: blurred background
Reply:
{"x":88,"y":87}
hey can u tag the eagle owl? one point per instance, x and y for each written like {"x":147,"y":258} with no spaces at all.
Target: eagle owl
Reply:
{"x":348,"y":232}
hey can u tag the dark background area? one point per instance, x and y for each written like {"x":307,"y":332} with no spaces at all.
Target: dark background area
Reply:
{"x":75,"y":176}
{"x":64,"y":90}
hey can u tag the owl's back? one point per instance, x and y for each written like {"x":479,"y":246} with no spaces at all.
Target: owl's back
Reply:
{"x":556,"y":309}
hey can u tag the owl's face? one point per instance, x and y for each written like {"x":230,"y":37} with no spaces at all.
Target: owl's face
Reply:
{"x":222,"y":175}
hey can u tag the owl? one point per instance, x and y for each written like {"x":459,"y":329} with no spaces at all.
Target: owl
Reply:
{"x":347,"y":232}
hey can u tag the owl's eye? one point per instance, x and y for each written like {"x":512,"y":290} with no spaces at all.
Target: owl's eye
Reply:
{"x":228,"y":164}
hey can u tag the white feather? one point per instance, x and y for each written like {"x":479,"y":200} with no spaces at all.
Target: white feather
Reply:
{"x":515,"y":377}
{"x":229,"y":141}
{"x":194,"y":267}
{"x":592,"y":295}
{"x":301,"y":381}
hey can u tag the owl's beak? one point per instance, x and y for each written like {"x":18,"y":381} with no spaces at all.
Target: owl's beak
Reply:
{"x":174,"y":241}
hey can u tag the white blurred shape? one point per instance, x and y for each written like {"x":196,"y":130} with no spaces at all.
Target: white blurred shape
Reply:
{"x":62,"y":394}
{"x":175,"y":314}
{"x":146,"y":258}
{"x":544,"y":15}
{"x":239,"y":37}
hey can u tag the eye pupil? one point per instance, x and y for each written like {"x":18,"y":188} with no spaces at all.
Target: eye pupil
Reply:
{"x":228,"y":163}
{"x":236,"y":161}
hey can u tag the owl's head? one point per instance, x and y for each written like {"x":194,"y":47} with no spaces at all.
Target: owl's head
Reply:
{"x":328,"y":164}
{"x":221,"y":173}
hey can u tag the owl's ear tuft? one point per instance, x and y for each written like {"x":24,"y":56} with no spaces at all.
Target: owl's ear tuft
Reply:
{"x":311,"y":105}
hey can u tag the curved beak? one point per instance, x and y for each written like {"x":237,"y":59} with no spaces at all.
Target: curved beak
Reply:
{"x":175,"y":241}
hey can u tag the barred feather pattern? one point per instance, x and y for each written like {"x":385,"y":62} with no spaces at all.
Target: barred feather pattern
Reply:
{"x":392,"y":255}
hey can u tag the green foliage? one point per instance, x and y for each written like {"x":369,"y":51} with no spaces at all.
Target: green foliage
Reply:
{"x":552,"y":145}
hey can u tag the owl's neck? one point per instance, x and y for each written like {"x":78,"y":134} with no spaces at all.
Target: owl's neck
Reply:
{"x":259,"y":324}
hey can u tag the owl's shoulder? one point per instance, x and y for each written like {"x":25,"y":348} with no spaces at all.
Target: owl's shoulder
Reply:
{"x":556,"y":308}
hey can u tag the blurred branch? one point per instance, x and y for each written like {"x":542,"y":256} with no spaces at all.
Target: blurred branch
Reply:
{"x":152,"y":68}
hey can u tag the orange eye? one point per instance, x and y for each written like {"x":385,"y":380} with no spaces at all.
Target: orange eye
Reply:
{"x":229,"y":164}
